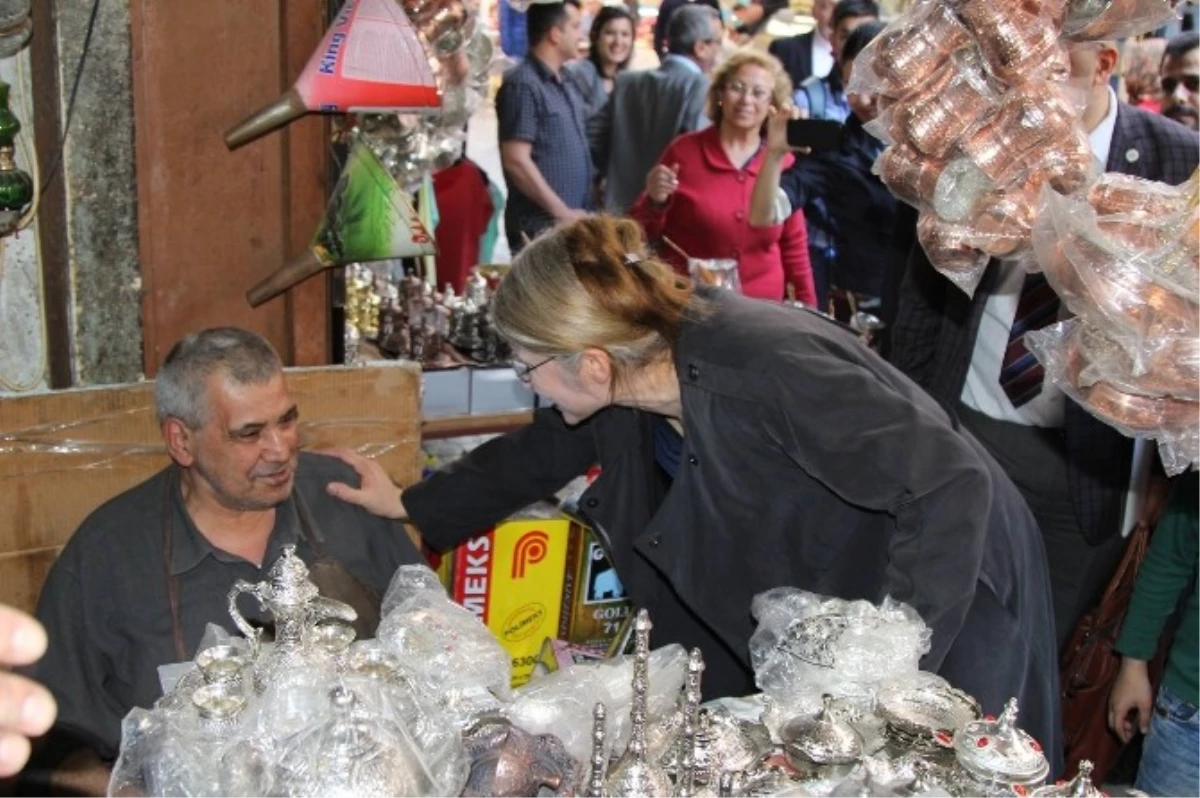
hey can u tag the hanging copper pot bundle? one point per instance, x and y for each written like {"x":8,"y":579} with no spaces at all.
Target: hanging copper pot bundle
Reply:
{"x":1166,"y":367}
{"x":909,"y":175}
{"x":445,"y":25}
{"x":932,"y":119}
{"x":1004,"y":222}
{"x":1068,"y":165}
{"x":906,"y":57}
{"x":1016,"y":39}
{"x":1031,"y":118}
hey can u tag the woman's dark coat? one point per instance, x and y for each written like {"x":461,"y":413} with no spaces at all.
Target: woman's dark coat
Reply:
{"x":808,"y":462}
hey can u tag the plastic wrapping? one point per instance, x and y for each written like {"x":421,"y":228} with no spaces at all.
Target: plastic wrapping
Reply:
{"x":562,"y":702}
{"x":443,"y":645}
{"x":721,"y":272}
{"x":1096,"y":20}
{"x":1106,"y":279}
{"x":807,"y":644}
{"x":1173,"y":422}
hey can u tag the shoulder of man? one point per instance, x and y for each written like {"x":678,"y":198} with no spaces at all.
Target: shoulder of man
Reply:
{"x":129,"y":516}
{"x":1173,"y":150}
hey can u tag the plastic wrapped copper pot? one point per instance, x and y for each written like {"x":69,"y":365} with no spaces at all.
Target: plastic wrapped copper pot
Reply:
{"x":1030,"y":117}
{"x":1068,"y":165}
{"x":1016,"y":40}
{"x":1137,"y":414}
{"x":1004,"y":222}
{"x":908,"y":174}
{"x":905,"y":57}
{"x":948,"y":246}
{"x":445,"y":25}
{"x":1123,"y":194}
{"x":933,"y":119}
{"x":1165,"y":367}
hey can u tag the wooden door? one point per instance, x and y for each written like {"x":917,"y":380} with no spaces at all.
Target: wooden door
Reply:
{"x":213,"y":222}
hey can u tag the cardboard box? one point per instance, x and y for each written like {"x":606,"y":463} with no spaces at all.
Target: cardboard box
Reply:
{"x":64,"y":453}
{"x":594,"y":607}
{"x":544,"y":587}
{"x":512,"y":579}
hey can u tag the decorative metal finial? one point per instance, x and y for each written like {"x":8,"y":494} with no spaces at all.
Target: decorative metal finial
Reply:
{"x":685,"y":782}
{"x":634,"y":775}
{"x":727,"y":783}
{"x":599,"y":754}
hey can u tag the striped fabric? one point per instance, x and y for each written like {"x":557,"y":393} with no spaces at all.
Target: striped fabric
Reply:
{"x":1021,"y":375}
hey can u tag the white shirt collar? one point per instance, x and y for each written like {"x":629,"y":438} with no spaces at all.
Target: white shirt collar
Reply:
{"x":1101,"y":138}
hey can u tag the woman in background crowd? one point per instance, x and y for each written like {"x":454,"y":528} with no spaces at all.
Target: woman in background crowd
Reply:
{"x":611,"y":50}
{"x":698,"y":195}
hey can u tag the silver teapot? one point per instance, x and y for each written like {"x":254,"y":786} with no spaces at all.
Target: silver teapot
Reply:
{"x":296,"y":605}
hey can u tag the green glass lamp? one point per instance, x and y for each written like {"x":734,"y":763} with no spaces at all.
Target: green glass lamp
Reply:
{"x":16,"y":187}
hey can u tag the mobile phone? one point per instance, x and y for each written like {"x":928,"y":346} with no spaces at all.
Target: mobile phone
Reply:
{"x":815,"y":134}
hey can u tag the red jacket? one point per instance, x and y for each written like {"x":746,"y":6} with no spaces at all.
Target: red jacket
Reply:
{"x":708,"y":217}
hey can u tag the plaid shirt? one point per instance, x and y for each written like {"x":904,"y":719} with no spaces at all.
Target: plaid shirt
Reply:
{"x":542,"y":108}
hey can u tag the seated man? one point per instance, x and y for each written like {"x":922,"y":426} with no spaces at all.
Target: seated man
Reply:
{"x":137,"y":583}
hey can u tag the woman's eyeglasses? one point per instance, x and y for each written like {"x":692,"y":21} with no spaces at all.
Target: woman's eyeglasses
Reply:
{"x":1190,"y":82}
{"x":524,"y":370}
{"x":756,"y":93}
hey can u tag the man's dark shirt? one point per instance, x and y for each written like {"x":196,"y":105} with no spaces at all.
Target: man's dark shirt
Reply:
{"x":546,"y":110}
{"x":105,"y":603}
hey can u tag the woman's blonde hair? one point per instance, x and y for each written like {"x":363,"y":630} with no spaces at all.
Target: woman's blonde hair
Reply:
{"x":588,"y":283}
{"x":780,"y":96}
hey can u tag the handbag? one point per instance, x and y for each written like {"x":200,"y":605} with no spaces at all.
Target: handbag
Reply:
{"x":1090,"y":665}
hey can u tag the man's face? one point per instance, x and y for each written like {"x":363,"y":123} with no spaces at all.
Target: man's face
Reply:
{"x":708,"y":51}
{"x":844,"y":28}
{"x":570,"y":33}
{"x":246,"y":453}
{"x":822,"y":12}
{"x":1181,"y":80}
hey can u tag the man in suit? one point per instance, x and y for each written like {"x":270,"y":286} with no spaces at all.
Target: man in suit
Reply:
{"x":646,"y":110}
{"x":809,"y":53}
{"x":1073,"y":470}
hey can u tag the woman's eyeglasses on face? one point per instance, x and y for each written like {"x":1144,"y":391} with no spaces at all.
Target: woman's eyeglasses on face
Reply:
{"x":757,"y":93}
{"x":524,"y":370}
{"x":1190,"y":82}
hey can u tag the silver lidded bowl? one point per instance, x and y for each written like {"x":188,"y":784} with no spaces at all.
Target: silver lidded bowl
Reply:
{"x":823,"y":747}
{"x":925,"y":717}
{"x":996,"y":752}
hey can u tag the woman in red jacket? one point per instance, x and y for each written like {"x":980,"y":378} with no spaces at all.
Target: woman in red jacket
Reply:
{"x":698,"y":194}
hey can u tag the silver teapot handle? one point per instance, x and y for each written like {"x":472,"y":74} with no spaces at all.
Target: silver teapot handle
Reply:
{"x":252,"y":634}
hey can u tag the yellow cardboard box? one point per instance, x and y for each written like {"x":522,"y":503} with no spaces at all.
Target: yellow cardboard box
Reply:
{"x":512,"y":579}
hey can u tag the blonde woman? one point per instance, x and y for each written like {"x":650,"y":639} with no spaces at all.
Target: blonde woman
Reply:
{"x":744,"y":446}
{"x":699,"y":192}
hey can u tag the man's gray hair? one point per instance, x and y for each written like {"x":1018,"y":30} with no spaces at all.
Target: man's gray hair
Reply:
{"x":690,"y":25}
{"x":181,"y":387}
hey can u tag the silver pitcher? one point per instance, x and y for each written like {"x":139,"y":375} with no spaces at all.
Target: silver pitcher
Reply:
{"x":296,"y":606}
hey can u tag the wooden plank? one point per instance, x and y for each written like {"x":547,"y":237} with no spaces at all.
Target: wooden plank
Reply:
{"x":473,"y":425}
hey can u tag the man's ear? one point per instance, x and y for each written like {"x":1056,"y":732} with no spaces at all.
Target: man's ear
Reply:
{"x":180,"y":442}
{"x":1107,"y":60}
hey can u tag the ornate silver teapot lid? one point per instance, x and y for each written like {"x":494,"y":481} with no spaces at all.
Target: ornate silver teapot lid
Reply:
{"x":288,"y":584}
{"x":1079,"y":787}
{"x":995,"y":750}
{"x":821,"y":740}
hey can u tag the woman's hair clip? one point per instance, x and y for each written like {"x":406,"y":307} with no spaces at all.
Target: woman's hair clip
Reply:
{"x":632,"y":259}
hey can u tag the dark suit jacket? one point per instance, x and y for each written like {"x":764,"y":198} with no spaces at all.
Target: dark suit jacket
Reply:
{"x":795,"y":53}
{"x":807,"y":461}
{"x":936,"y":326}
{"x":644,"y":113}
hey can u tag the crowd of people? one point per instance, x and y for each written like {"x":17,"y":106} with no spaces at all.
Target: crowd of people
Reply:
{"x":744,"y":445}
